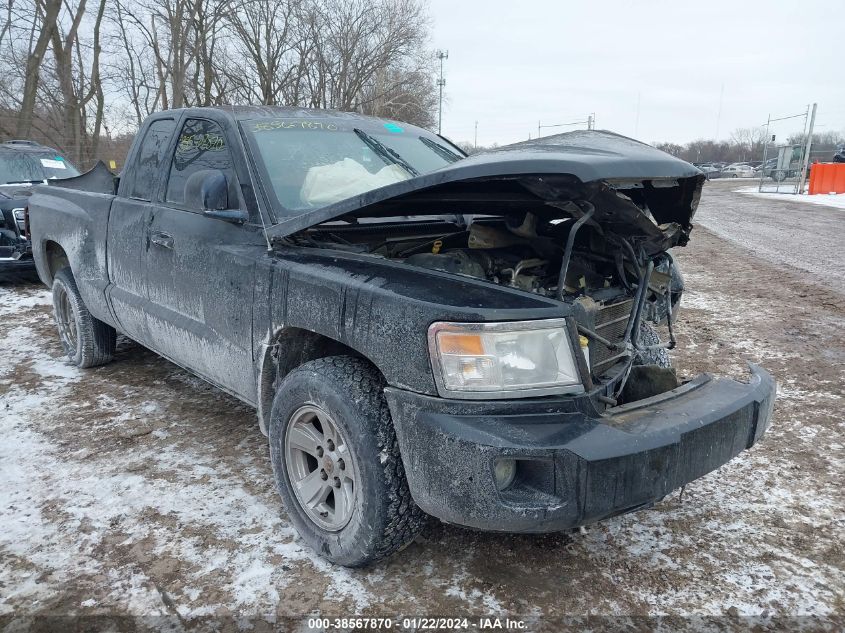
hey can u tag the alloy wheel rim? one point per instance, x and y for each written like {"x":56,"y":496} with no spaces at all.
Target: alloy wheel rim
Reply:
{"x":66,"y":320}
{"x":321,"y":468}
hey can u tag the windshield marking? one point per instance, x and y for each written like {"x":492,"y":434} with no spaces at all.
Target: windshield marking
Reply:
{"x":283,"y":124}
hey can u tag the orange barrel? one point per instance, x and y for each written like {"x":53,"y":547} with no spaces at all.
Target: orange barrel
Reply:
{"x":827,"y":178}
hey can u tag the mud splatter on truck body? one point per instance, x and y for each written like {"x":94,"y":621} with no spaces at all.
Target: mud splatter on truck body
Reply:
{"x":493,"y":308}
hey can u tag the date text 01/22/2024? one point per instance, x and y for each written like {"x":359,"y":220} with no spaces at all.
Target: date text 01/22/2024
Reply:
{"x":417,"y":624}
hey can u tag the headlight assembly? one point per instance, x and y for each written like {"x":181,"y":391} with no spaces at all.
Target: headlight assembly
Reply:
{"x":503,"y":360}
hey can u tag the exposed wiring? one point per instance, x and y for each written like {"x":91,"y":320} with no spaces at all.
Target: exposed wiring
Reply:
{"x":570,"y":243}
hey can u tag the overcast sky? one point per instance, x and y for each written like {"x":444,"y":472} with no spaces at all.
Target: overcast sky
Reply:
{"x":514,"y":62}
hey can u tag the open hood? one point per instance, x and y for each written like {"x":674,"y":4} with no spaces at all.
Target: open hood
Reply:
{"x":624,"y":179}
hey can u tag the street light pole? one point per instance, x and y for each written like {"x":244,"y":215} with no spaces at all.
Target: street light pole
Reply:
{"x":441,"y":55}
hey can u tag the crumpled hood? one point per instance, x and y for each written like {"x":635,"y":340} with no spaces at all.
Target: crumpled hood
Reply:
{"x":618,"y":175}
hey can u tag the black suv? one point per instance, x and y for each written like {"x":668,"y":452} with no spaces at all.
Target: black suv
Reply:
{"x":22,"y":164}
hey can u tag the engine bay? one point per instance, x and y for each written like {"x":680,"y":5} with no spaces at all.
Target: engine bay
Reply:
{"x":517,"y":251}
{"x":613,"y":283}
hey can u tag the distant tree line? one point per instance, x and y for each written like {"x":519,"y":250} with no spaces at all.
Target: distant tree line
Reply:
{"x":747,"y":144}
{"x":83,"y":74}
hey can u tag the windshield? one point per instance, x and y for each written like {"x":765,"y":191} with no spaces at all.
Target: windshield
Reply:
{"x":311,"y":163}
{"x":19,"y":166}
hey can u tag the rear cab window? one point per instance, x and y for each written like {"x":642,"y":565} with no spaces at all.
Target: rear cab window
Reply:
{"x":151,"y":155}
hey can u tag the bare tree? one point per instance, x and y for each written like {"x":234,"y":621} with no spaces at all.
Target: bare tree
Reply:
{"x":749,"y":140}
{"x":356,"y":40}
{"x":80,"y":69}
{"x":265,"y":36}
{"x":77,"y":84}
{"x":405,"y":94}
{"x":167,"y":27}
{"x":46,"y":17}
{"x":207,"y":27}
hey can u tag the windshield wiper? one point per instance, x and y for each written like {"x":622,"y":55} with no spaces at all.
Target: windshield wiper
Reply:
{"x":387,"y":154}
{"x":444,"y":152}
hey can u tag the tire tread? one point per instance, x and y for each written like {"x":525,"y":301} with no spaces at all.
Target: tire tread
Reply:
{"x":364,"y":386}
{"x":97,"y":340}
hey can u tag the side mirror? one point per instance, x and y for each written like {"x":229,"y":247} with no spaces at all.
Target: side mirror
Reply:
{"x":208,"y":191}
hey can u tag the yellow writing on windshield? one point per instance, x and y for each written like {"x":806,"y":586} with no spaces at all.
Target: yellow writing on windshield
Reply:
{"x":292,"y":124}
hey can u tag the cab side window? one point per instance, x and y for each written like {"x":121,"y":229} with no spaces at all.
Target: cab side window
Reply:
{"x":201,"y":146}
{"x":151,"y":155}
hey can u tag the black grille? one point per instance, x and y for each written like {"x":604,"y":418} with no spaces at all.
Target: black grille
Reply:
{"x":611,"y":321}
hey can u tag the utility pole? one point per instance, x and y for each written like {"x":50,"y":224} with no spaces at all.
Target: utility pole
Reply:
{"x":590,"y":122}
{"x":441,"y":55}
{"x":637,"y":122}
{"x":475,"y":142}
{"x":807,"y":146}
{"x":719,"y":114}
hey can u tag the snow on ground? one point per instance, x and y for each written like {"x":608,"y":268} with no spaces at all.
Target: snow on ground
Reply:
{"x":137,"y":489}
{"x":837,"y":201}
{"x":12,"y":302}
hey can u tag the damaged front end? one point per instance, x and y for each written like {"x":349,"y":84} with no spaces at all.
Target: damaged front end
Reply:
{"x":555,"y":404}
{"x":599,"y":247}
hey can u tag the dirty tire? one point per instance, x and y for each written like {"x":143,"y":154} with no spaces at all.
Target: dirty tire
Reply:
{"x":95,"y":340}
{"x":385,"y":518}
{"x":649,"y":336}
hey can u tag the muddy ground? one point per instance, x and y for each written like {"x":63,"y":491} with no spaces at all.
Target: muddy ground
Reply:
{"x":137,"y":489}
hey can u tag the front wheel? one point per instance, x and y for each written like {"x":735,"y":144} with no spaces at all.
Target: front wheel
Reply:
{"x":337,"y":465}
{"x":659,"y":356}
{"x":86,"y":340}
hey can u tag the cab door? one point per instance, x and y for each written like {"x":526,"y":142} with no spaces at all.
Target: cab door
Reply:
{"x":200,"y":270}
{"x":129,"y":219}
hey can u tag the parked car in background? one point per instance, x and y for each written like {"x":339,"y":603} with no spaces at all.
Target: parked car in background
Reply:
{"x":738,"y":170}
{"x":769,"y":169}
{"x":767,"y":166}
{"x":22,"y":164}
{"x":839,"y":156}
{"x":710,"y":170}
{"x":27,"y":162}
{"x":16,"y":261}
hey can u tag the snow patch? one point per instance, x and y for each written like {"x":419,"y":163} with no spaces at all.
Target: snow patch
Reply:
{"x":836,"y":201}
{"x":13,"y":301}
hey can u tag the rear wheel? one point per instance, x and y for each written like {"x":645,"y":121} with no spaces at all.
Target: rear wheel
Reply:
{"x":87,"y":341}
{"x":337,"y":464}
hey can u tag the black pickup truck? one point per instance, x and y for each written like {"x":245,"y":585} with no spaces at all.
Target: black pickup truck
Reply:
{"x":422,"y":332}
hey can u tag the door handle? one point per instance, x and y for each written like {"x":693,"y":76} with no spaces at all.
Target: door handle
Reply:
{"x":162,"y":239}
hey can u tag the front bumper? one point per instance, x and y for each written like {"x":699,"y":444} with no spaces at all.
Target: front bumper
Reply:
{"x":572,"y":468}
{"x":13,"y":268}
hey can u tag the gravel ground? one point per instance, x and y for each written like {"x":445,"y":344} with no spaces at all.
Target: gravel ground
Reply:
{"x":137,"y":489}
{"x":805,"y":236}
